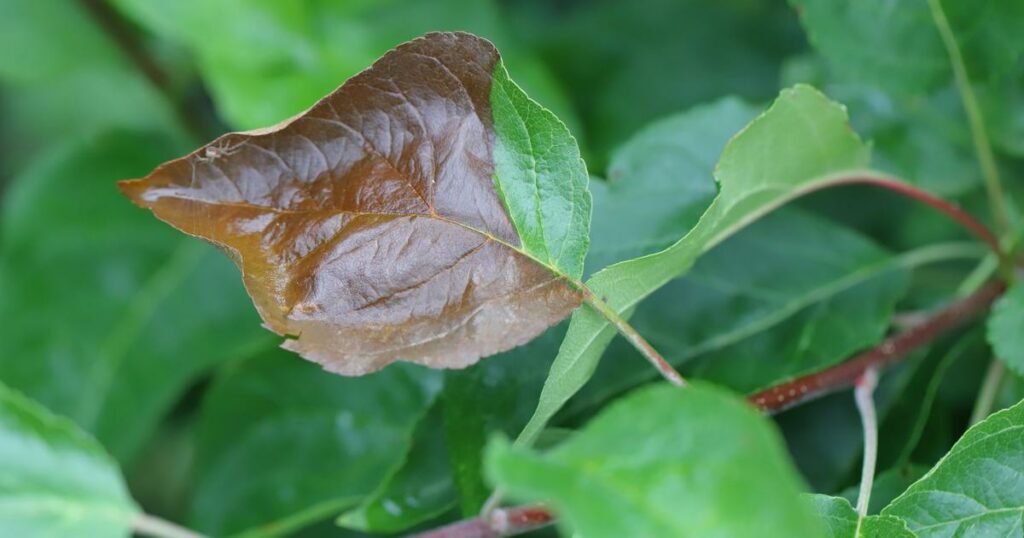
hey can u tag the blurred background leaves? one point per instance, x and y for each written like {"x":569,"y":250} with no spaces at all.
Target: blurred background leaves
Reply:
{"x":146,"y":339}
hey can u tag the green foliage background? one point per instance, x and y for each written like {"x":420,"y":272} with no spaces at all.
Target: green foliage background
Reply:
{"x":146,"y":340}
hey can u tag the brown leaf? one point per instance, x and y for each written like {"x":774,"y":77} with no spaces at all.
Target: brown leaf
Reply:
{"x":369,"y":226}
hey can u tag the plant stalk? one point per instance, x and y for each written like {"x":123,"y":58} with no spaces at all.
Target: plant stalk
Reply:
{"x":975,"y":119}
{"x":499,"y":523}
{"x":863,"y":394}
{"x":634,"y":338}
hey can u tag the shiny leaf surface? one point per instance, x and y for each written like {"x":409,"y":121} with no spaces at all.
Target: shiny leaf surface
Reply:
{"x":426,"y":211}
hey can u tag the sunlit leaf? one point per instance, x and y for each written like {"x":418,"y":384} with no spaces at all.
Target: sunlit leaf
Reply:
{"x":426,"y":211}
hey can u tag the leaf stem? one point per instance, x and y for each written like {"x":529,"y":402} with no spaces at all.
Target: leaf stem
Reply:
{"x":949,"y":209}
{"x":634,"y":338}
{"x":891,"y":350}
{"x":975,"y":119}
{"x":863,"y":394}
{"x":989,"y":389}
{"x":148,"y":525}
{"x":499,"y":523}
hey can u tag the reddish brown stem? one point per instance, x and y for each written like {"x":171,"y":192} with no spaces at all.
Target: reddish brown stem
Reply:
{"x":949,"y":209}
{"x":500,"y":523}
{"x":891,"y":350}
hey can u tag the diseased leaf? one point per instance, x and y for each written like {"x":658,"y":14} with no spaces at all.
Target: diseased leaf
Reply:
{"x":794,"y":146}
{"x":426,"y":211}
{"x":108,"y":314}
{"x":282,"y":444}
{"x":977,"y":489}
{"x":665,"y":462}
{"x":1006,"y":328}
{"x":54,"y":479}
{"x":840,"y":519}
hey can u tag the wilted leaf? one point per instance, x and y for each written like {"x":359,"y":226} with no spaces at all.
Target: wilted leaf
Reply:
{"x":665,"y":462}
{"x":54,"y":479}
{"x":282,"y":444}
{"x":426,"y":211}
{"x":840,"y":519}
{"x":977,"y":489}
{"x":1006,"y":328}
{"x":794,"y":146}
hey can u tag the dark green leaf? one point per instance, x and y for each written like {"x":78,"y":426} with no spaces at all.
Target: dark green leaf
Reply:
{"x":283,"y":443}
{"x":108,"y":314}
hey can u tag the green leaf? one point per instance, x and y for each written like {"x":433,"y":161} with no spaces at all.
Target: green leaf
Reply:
{"x":793,"y":147}
{"x":987,"y":32}
{"x":54,"y":479}
{"x":272,"y":60}
{"x":660,"y":181}
{"x":976,"y":489}
{"x":68,"y":78}
{"x":887,"y":485}
{"x":283,"y":443}
{"x":841,"y":520}
{"x":109,"y":315}
{"x":664,"y":462}
{"x":418,"y":489}
{"x":1005,"y":326}
{"x":748,"y":325}
{"x":540,"y":178}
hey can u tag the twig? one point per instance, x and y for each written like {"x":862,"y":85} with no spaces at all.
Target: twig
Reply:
{"x":891,"y":350}
{"x":500,"y":523}
{"x":864,"y":395}
{"x":638,"y":341}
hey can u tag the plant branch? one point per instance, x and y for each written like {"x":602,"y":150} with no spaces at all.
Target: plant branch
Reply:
{"x":891,"y":350}
{"x":864,"y":395}
{"x":498,"y":523}
{"x":949,"y":209}
{"x":148,"y":525}
{"x":638,"y":341}
{"x":975,"y":119}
